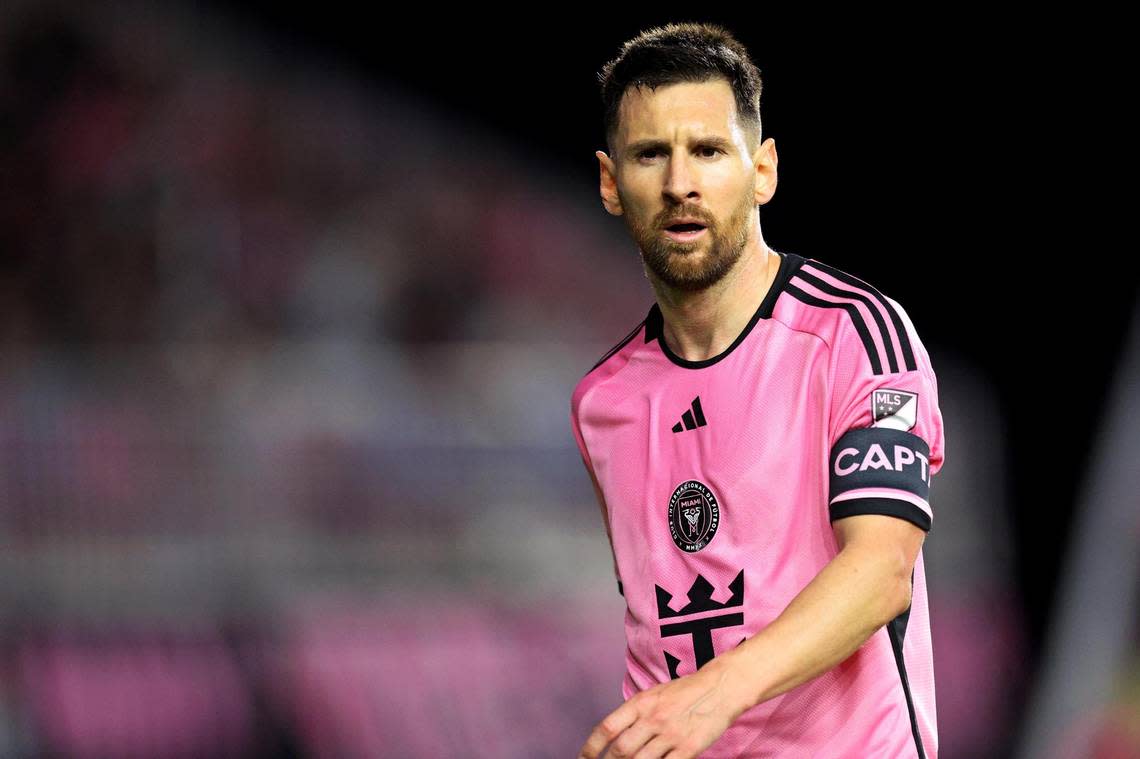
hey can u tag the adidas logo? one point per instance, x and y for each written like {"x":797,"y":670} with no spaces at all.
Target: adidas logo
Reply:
{"x":692,"y":418}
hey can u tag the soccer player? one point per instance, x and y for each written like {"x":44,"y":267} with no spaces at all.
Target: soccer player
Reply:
{"x":761,"y":446}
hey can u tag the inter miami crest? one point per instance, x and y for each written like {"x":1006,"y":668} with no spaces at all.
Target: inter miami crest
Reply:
{"x":693,"y":515}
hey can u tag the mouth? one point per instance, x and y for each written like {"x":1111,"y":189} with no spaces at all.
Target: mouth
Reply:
{"x":684,"y":231}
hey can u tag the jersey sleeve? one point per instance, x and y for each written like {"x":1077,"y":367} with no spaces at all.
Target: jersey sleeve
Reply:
{"x":885,"y":429}
{"x":589,"y":464}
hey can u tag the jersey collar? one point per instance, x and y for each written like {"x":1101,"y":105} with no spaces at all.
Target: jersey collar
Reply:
{"x":654,"y":321}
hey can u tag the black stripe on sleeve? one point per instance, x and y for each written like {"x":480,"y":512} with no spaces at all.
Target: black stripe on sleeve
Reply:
{"x":900,"y":328}
{"x":888,"y":343}
{"x":856,"y":319}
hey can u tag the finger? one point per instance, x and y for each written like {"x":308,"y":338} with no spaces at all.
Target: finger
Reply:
{"x":607,"y":730}
{"x":680,"y":751}
{"x":656,"y":748}
{"x":634,"y":738}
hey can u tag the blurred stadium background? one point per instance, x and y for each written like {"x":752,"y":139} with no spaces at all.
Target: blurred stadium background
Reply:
{"x":291,"y":306}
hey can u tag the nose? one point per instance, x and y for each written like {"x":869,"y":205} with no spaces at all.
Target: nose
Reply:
{"x":680,"y":180}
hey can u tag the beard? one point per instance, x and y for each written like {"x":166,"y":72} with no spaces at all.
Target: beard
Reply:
{"x":682,"y":265}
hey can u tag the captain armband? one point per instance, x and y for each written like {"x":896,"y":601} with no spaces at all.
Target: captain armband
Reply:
{"x":879,"y":470}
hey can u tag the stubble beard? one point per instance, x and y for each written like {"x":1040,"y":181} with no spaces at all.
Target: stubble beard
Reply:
{"x":682,"y":265}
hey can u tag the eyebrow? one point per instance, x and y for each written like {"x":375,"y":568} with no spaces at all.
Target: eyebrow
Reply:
{"x":635,"y":148}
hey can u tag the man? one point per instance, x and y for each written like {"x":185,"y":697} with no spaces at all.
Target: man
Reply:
{"x":761,"y":447}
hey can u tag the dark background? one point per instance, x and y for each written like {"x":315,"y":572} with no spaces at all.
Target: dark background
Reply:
{"x":964,"y":162}
{"x":294,"y":297}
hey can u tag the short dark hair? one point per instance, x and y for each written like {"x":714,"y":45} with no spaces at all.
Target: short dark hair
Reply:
{"x":682,"y":52}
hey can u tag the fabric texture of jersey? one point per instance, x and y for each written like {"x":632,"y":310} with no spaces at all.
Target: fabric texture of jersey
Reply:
{"x":719,"y":480}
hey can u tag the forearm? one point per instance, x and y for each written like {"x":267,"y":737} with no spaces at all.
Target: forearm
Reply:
{"x":854,"y":595}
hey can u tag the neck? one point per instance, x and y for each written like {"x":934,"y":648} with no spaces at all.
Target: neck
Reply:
{"x":701,"y":324}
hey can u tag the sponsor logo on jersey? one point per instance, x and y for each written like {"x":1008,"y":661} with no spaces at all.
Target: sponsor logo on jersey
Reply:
{"x":896,"y":409}
{"x":693,"y":418}
{"x":694,"y":515}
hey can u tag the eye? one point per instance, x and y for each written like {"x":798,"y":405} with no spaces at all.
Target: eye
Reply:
{"x":648,"y":153}
{"x":707,"y":148}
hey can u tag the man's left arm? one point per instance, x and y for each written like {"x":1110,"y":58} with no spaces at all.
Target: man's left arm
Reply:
{"x":866,"y":585}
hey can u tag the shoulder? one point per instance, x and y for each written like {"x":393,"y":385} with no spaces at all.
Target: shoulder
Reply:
{"x":609,"y":363}
{"x":619,"y":345}
{"x":851,"y":315}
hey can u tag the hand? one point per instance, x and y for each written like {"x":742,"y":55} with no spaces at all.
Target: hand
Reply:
{"x":678,"y":719}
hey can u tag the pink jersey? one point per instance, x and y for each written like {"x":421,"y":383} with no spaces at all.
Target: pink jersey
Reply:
{"x":720,"y":479}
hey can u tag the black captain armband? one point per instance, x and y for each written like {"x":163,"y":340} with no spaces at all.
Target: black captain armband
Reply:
{"x":880,"y":470}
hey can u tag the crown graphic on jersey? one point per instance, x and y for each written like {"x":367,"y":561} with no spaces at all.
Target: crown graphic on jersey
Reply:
{"x":692,"y":418}
{"x":700,"y":597}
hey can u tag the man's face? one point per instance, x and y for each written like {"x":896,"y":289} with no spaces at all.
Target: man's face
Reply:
{"x":682,"y":154}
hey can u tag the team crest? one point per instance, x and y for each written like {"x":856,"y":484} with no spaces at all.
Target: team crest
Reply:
{"x":693,"y":516}
{"x":896,"y":409}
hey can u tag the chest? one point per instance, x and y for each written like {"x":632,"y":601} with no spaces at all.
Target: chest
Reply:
{"x":750,"y":422}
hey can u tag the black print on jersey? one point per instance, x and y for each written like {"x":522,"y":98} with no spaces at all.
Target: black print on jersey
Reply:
{"x":694,"y":516}
{"x":693,"y":418}
{"x":700,"y":600}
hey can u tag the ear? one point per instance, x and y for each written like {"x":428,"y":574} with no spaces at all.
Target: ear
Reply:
{"x":765,"y":160}
{"x":608,"y":183}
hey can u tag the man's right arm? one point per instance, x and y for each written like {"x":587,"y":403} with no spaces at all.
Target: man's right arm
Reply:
{"x":586,"y":461}
{"x":606,"y":521}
